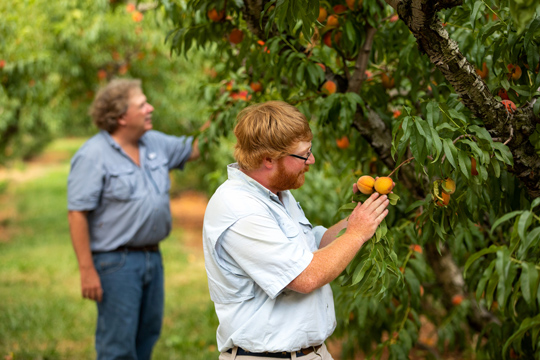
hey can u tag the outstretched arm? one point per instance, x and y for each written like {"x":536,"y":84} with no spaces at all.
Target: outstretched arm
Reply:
{"x":329,"y":261}
{"x":195,"y":152}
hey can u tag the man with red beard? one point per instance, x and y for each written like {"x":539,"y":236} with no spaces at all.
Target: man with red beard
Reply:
{"x":268,"y":267}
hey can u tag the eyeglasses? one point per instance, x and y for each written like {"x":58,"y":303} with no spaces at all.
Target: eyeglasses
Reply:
{"x":301,"y":157}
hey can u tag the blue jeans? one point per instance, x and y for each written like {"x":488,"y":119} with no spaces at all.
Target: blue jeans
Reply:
{"x":131,"y":312}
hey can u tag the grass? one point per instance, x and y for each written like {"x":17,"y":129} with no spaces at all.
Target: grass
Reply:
{"x":42,"y":314}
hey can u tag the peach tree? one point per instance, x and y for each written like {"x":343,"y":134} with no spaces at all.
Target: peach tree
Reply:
{"x":440,"y":94}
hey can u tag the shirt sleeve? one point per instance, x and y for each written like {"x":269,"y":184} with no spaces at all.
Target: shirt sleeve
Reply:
{"x":177,"y":148}
{"x":265,"y":253}
{"x":318,"y":232}
{"x":85,"y":183}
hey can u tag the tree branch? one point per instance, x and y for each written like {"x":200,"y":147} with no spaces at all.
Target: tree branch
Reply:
{"x":443,"y":52}
{"x":360,"y":66}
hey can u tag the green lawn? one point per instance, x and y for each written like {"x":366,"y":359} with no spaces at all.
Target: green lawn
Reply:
{"x":42,"y":315}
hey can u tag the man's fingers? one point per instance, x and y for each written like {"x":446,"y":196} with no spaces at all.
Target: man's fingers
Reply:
{"x":381,"y":207}
{"x":374,"y":202}
{"x":99,"y":295}
{"x":93,"y":294}
{"x":371,"y":199}
{"x":381,"y":217}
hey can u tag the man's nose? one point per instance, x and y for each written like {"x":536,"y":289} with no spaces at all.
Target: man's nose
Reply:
{"x":311,"y":159}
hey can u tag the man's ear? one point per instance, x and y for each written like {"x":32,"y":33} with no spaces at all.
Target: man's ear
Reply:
{"x":269,"y":163}
{"x":121,"y":120}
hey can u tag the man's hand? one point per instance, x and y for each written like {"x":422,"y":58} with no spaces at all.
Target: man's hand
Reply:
{"x":365,"y":218}
{"x":91,"y":285}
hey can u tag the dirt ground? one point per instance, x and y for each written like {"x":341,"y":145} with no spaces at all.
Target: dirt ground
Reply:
{"x":188,"y":213}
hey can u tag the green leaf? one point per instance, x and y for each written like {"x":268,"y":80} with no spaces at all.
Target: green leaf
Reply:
{"x":533,"y":26}
{"x":341,"y":232}
{"x":529,"y":282}
{"x":348,"y":207}
{"x":360,"y":271}
{"x":526,"y":325}
{"x":535,"y":203}
{"x":503,"y":153}
{"x":523,"y":224}
{"x":479,"y":254}
{"x":536,"y":107}
{"x":432,"y":113}
{"x":522,"y":12}
{"x":492,"y":285}
{"x":465,"y":164}
{"x":496,"y":167}
{"x":414,"y":205}
{"x":450,"y":151}
{"x":489,"y":29}
{"x":484,"y":279}
{"x":507,"y":271}
{"x":393,"y":198}
{"x":531,"y":240}
{"x":481,"y":133}
{"x":474,"y":13}
{"x":504,"y":218}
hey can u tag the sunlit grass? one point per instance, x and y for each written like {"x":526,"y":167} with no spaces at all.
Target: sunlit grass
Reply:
{"x":43,"y":316}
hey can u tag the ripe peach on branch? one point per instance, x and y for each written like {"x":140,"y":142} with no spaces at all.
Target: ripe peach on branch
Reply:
{"x":383,"y":185}
{"x":323,"y":14}
{"x":474,"y":172}
{"x":256,"y":86}
{"x":216,"y":15}
{"x":329,"y":87}
{"x":343,"y":142}
{"x":354,"y":4}
{"x":509,"y":105}
{"x":514,"y":72}
{"x":365,"y":184}
{"x":387,"y":81}
{"x":339,"y":9}
{"x":484,"y":72}
{"x":236,"y":36}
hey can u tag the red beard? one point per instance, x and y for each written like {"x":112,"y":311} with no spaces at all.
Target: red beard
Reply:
{"x":287,"y":180}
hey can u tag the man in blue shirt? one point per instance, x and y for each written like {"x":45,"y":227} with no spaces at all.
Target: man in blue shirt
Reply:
{"x":268,"y":267}
{"x":118,"y":202}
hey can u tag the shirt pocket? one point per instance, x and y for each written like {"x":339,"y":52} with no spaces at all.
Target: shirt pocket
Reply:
{"x":121,"y":184}
{"x":307,"y":229}
{"x":159,"y":172}
{"x":289,"y":228}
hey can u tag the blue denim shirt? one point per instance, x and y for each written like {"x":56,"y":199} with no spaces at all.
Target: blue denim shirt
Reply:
{"x":127,"y":204}
{"x":255,"y":244}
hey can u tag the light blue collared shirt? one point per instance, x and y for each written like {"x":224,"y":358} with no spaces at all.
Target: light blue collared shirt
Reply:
{"x":254,"y":246}
{"x":127,"y":204}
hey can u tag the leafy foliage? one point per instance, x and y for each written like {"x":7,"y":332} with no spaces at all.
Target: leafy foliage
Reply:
{"x":430,"y":129}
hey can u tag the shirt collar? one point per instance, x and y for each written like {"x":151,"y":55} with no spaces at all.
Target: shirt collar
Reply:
{"x":235,"y":174}
{"x":113,"y":143}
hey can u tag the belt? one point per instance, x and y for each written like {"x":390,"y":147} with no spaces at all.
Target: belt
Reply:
{"x":279,"y":355}
{"x":154,"y":247}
